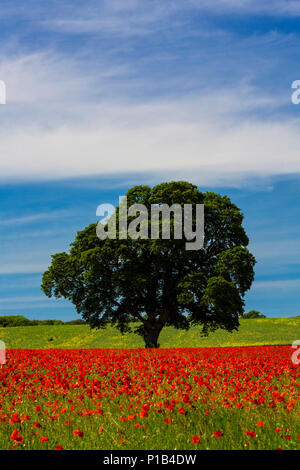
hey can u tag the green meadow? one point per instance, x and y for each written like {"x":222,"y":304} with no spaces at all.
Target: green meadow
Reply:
{"x":254,"y":332}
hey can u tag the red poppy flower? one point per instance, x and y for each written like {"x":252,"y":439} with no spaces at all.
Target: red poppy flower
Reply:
{"x":168,"y":420}
{"x":259,"y":424}
{"x":15,"y":418}
{"x":16,"y":437}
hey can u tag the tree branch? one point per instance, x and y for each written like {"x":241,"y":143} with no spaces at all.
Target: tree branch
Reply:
{"x":134,"y":314}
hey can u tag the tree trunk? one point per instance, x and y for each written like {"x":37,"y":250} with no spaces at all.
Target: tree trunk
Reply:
{"x":151,"y":336}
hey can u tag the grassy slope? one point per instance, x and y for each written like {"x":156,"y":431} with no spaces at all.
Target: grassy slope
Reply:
{"x":251,"y":332}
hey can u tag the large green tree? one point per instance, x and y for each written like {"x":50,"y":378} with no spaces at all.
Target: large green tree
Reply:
{"x":146,"y":284}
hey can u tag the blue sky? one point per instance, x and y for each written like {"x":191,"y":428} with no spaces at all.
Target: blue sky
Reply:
{"x":102,"y":95}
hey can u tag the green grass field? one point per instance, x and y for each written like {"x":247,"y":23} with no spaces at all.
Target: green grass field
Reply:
{"x":260,"y":332}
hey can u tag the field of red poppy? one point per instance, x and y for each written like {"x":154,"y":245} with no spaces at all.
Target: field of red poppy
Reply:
{"x":197,"y":398}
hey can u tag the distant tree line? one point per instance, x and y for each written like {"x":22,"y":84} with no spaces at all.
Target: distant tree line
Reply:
{"x":252,"y":314}
{"x":20,"y":320}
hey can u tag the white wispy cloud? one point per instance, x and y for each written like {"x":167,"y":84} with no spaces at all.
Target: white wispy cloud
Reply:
{"x":23,"y":299}
{"x":23,"y":268}
{"x":31,"y":302}
{"x":135,"y":17}
{"x":145,"y":17}
{"x":210,"y":145}
{"x":29,"y":219}
{"x":276,"y":7}
{"x":287,"y":249}
{"x":283,"y":284}
{"x":19,"y":255}
{"x":71,"y":117}
{"x":48,"y":78}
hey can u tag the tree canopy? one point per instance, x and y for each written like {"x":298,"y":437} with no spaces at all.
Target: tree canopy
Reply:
{"x":147,"y":284}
